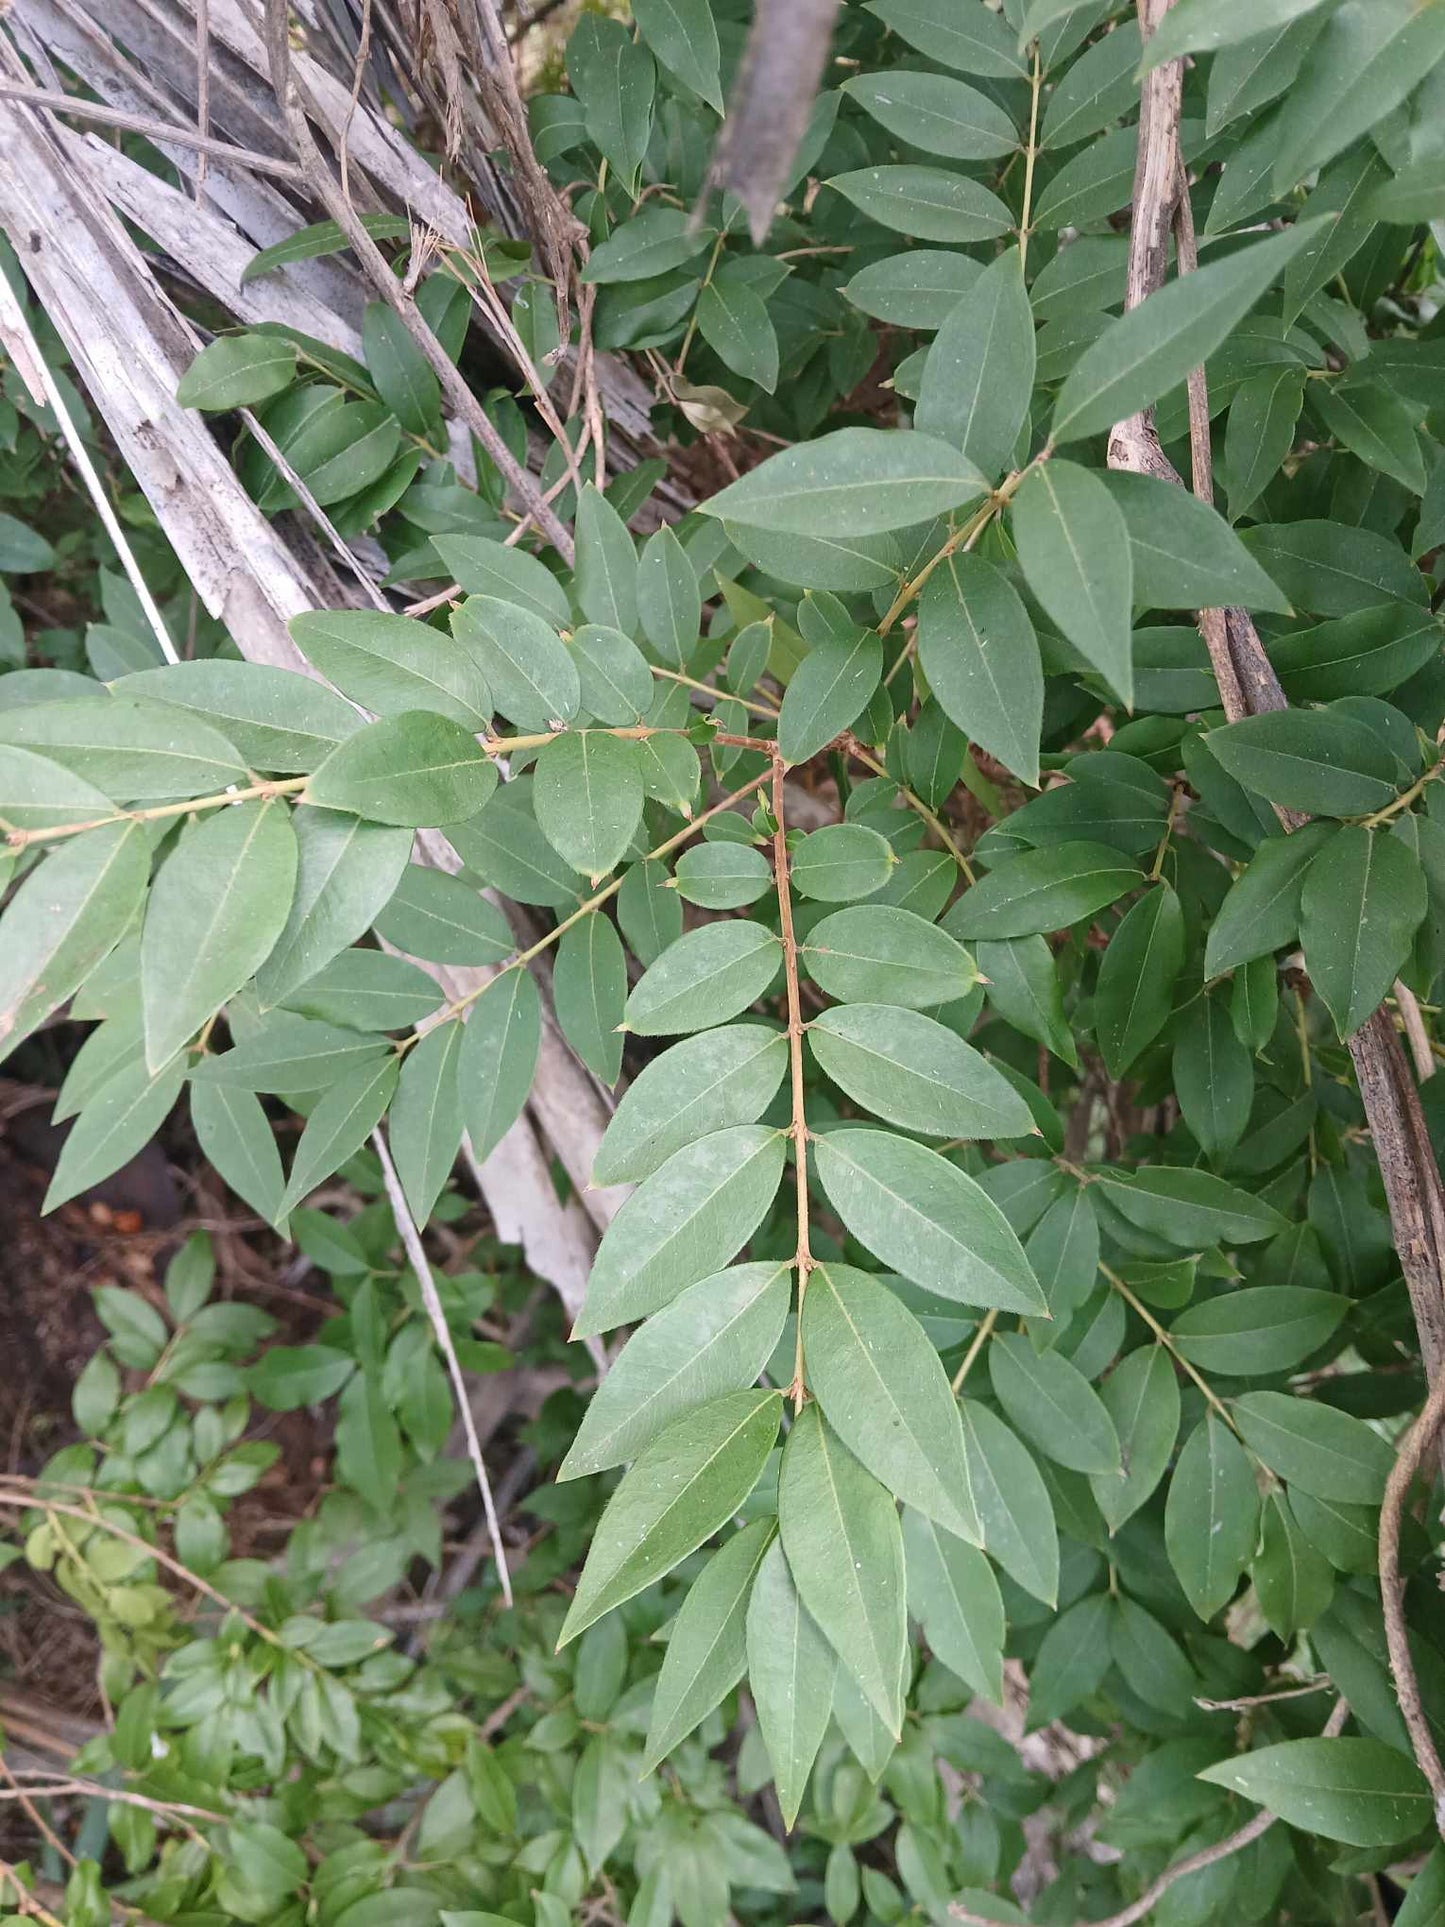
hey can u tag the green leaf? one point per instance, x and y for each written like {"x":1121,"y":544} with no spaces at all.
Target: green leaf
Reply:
{"x":1063,"y":1250}
{"x":615,"y":80}
{"x":1367,"y":654}
{"x":1323,"y":1451}
{"x":723,"y":876}
{"x":917,"y":289}
{"x":1053,"y":1405}
{"x":1023,"y":988}
{"x":417,"y":770}
{"x":1378,"y":427}
{"x":347,"y":872}
{"x":589,"y":992}
{"x":504,"y":846}
{"x":854,"y":481}
{"x":290,"y":1053}
{"x":237,"y":371}
{"x":1190,"y":1209}
{"x":715,"y":1337}
{"x":36,"y":794}
{"x":680,"y":1491}
{"x":1072,"y":1659}
{"x":616,"y":682}
{"x":844,"y":1547}
{"x":1332,"y":569}
{"x":669,"y":602}
{"x":404,"y":378}
{"x":970,"y":39}
{"x":426,"y":1117}
{"x":886,"y":1395}
{"x":1257,"y":1330}
{"x":923,"y":1217}
{"x":1261,"y":912}
{"x":705,"y":978}
{"x":935,"y":113}
{"x":828,"y":691}
{"x":125,"y":1114}
{"x":1041,"y":890}
{"x":64,"y":919}
{"x":368,"y":1442}
{"x":1152,"y":348}
{"x":1293,"y":1582}
{"x":128,"y":749}
{"x":490,"y":569}
{"x":1425,"y":1898}
{"x":605,"y":581}
{"x":1211,"y":1518}
{"x":525,"y":663}
{"x":952,"y":1592}
{"x":236,"y":1138}
{"x":916,"y":1073}
{"x":1095,"y":90}
{"x":1363,"y":63}
{"x":1149,"y":1660}
{"x":791,"y":1673}
{"x":1363,"y":899}
{"x":321,"y":237}
{"x":1135,"y":992}
{"x":588,"y":798}
{"x":694,"y":1211}
{"x":1073,"y":546}
{"x":682,"y":35}
{"x":979,"y":372}
{"x":1141,"y":1396}
{"x":1322,"y":761}
{"x":930,"y":203}
{"x":1013,"y":1503}
{"x":840,"y":863}
{"x":704,"y":1084}
{"x":444,"y":919}
{"x":286,"y":1377}
{"x":1213,"y":1077}
{"x":1185,"y":554}
{"x":1359,"y":1791}
{"x":391,"y":663}
{"x":217,"y":906}
{"x":1199,"y":26}
{"x":1260,"y":433}
{"x":733,"y":320}
{"x":499,"y":1058}
{"x":277,"y":720}
{"x":978,"y":650}
{"x":342,"y":1121}
{"x":877,"y":953}
{"x":707,"y":1651}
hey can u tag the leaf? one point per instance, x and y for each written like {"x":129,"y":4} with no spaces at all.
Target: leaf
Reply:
{"x":1023,"y":988}
{"x":1322,"y":761}
{"x":923,"y":1217}
{"x":715,"y":1337}
{"x":1213,"y":1077}
{"x":1323,"y":1451}
{"x":1292,"y":1581}
{"x":1095,"y":90}
{"x":290,"y":1053}
{"x":504,"y":845}
{"x":829,"y":689}
{"x":426,"y":1117}
{"x":216,"y":908}
{"x":682,"y":35}
{"x":1332,"y":569}
{"x":1191,"y":1209}
{"x":968,"y":38}
{"x":1261,"y":912}
{"x":1040,"y":890}
{"x":342,"y":1121}
{"x":36,"y":794}
{"x":916,"y":1073}
{"x":733,"y":320}
{"x":1053,"y":1405}
{"x":124,"y":1114}
{"x":954,"y":1595}
{"x":878,"y":953}
{"x":978,"y":650}
{"x":1363,"y":899}
{"x":1378,"y":427}
{"x":404,"y":378}
{"x":692,"y":1213}
{"x":237,"y":371}
{"x":1258,"y":1330}
{"x":1149,"y":1660}
{"x":1141,"y":1396}
{"x":1063,"y":1251}
{"x":1073,"y":545}
{"x":499,"y":1057}
{"x":606,"y":575}
{"x":979,"y":372}
{"x":1199,"y":26}
{"x":67,"y":915}
{"x":717,"y":1079}
{"x":615,"y":80}
{"x":287,"y":1377}
{"x":391,"y":663}
{"x":680,"y":1491}
{"x":347,"y":871}
{"x":844,"y":1548}
{"x":526,"y":665}
{"x":1363,"y":63}
{"x":669,"y":602}
{"x":236,"y":1138}
{"x":840,"y":863}
{"x":930,"y":203}
{"x":1367,"y":654}
{"x":854,"y":481}
{"x":589,"y":991}
{"x":1013,"y":1502}
{"x":128,"y":749}
{"x":444,"y":919}
{"x":1151,"y":349}
{"x":490,"y":569}
{"x":1185,"y":555}
{"x":935,"y":113}
{"x":416,"y":770}
{"x":1260,"y":433}
{"x":707,"y":1652}
{"x":885,"y":1393}
{"x":1211,"y":1518}
{"x":275,"y":719}
{"x":1134,"y":996}
{"x":368,"y":1443}
{"x":791,"y":1672}
{"x":1359,"y":1791}
{"x":588,"y":798}
{"x":1072,"y":1659}
{"x":917,"y":289}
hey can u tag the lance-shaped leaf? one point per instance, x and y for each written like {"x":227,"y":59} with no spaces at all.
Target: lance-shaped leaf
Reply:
{"x":1053,"y":1405}
{"x":499,"y":1057}
{"x":829,"y":689}
{"x":1073,"y":1658}
{"x":683,"y":1488}
{"x":791,"y":1673}
{"x":701,"y":1085}
{"x":122,"y":1116}
{"x":589,"y":992}
{"x":1135,"y":992}
{"x":126,"y":748}
{"x":236,"y":1137}
{"x":1258,"y":1329}
{"x":669,"y":602}
{"x":979,"y":372}
{"x":288,"y":1052}
{"x":855,"y":481}
{"x":443,"y":919}
{"x":588,"y":798}
{"x":1211,"y":1518}
{"x":341,"y":1123}
{"x":1323,"y":1451}
{"x":347,"y":871}
{"x":37,"y":794}
{"x":1362,"y":901}
{"x":1073,"y":545}
{"x":1191,"y":1209}
{"x":426,"y":1117}
{"x":844,"y":1545}
{"x":912,"y":1071}
{"x":1362,"y":1792}
{"x":885,"y":1393}
{"x":1141,"y":1396}
{"x":1261,"y":913}
{"x":1013,"y":1503}
{"x":952,"y":1592}
{"x":981,"y":657}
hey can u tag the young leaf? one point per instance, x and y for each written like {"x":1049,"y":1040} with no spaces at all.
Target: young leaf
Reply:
{"x":978,"y":650}
{"x":682,"y":1489}
{"x":499,"y":1057}
{"x":791,"y":1672}
{"x":1073,"y":545}
{"x":704,"y":1084}
{"x":954,"y":1595}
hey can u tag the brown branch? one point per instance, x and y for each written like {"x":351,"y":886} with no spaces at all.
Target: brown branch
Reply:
{"x":338,"y":205}
{"x":1418,"y":1441}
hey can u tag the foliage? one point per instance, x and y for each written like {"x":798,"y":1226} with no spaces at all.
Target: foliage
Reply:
{"x":1010,"y":1267}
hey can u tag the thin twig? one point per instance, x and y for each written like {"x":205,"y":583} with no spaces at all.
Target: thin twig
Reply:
{"x":975,"y":1346}
{"x":154,"y":130}
{"x":1418,"y":1441}
{"x":417,"y":1259}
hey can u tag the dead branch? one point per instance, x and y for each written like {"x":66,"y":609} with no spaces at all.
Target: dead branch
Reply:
{"x":778,"y":81}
